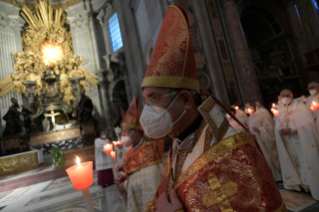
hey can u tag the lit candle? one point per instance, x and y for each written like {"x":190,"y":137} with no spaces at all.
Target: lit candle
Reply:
{"x":113,"y":154}
{"x":81,"y":176}
{"x":114,"y":143}
{"x":274,"y":106}
{"x":108,"y":148}
{"x":250,"y":111}
{"x":314,"y":106}
{"x":119,"y":142}
{"x":236,"y":107}
{"x":275,"y":112}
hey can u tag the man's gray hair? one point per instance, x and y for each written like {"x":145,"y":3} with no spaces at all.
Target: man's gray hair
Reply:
{"x":286,"y":89}
{"x":313,"y":83}
{"x":196,"y":96}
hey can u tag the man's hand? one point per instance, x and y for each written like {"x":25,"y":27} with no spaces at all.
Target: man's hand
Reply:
{"x":285,"y":131}
{"x":120,"y":188}
{"x":120,"y":178}
{"x":256,"y":129}
{"x":164,"y":205}
{"x":120,"y":167}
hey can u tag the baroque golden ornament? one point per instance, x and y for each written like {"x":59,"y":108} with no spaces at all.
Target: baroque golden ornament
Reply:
{"x":48,"y":52}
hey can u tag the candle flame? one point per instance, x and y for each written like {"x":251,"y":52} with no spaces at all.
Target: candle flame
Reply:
{"x":78,"y":161}
{"x":314,"y":103}
{"x":236,"y":108}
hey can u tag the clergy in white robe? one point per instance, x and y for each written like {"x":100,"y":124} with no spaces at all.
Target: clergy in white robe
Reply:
{"x":313,"y":88}
{"x":262,"y":109}
{"x":297,"y":143}
{"x":103,"y":161}
{"x":235,"y":124}
{"x":262,"y":126}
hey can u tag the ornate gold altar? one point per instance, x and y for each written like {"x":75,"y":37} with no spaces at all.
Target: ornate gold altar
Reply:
{"x":47,"y":69}
{"x":19,"y":162}
{"x":54,"y":136}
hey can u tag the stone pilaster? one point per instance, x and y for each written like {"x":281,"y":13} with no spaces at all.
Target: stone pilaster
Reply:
{"x":247,"y":75}
{"x":299,"y":38}
{"x":10,"y":41}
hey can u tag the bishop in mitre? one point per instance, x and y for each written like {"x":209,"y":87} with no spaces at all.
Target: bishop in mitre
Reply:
{"x":297,"y":143}
{"x":142,"y":164}
{"x":205,"y":169}
{"x":313,"y":88}
{"x":261,"y":125}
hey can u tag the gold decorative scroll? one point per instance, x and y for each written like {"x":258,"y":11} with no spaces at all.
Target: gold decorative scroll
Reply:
{"x":18,"y":162}
{"x":54,"y":136}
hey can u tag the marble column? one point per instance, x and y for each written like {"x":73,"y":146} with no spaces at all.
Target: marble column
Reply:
{"x":106,"y":106}
{"x":247,"y":75}
{"x":299,"y":38}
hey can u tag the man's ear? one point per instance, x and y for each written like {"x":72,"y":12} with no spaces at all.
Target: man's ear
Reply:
{"x":187,"y":97}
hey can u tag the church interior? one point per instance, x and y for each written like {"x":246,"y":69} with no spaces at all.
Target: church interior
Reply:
{"x":68,"y":68}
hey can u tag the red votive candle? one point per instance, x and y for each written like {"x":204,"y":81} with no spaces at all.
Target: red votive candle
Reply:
{"x":81,"y":175}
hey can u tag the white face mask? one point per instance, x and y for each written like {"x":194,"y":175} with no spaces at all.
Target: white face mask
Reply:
{"x":157,"y":122}
{"x":103,"y":136}
{"x":313,"y":91}
{"x":246,"y":110}
{"x":286,"y":100}
{"x":127,"y":141}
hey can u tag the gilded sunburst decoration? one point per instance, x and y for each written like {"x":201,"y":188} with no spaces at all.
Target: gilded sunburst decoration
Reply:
{"x":47,"y":47}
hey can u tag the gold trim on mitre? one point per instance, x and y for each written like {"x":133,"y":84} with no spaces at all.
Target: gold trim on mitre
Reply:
{"x":171,"y":82}
{"x":174,"y":39}
{"x":132,"y":126}
{"x":216,"y":120}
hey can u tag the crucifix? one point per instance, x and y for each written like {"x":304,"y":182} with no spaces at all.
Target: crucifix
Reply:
{"x":52,"y":115}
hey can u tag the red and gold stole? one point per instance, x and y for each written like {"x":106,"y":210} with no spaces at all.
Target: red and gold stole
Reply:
{"x":150,"y":153}
{"x":232,"y":175}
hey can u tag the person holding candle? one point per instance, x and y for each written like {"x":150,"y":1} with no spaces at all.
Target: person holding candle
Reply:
{"x":103,"y":162}
{"x":261,"y":125}
{"x":262,"y":109}
{"x":313,"y":88}
{"x":240,"y":114}
{"x":297,"y":142}
{"x":234,"y":123}
{"x":142,"y":165}
{"x":210,"y":166}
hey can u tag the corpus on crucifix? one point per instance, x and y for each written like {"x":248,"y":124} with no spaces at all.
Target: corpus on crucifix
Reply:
{"x":52,"y":115}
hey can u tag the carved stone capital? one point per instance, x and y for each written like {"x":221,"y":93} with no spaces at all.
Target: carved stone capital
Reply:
{"x":8,"y":24}
{"x":80,"y":21}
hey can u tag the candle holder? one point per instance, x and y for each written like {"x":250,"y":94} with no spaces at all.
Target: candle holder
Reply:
{"x":81,"y":176}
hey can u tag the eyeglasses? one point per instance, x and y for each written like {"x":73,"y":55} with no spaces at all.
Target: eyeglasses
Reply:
{"x":154,"y":101}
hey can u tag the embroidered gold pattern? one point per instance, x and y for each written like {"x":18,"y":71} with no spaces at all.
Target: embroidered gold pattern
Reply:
{"x":205,"y":109}
{"x":150,"y":153}
{"x":220,"y":193}
{"x":214,"y":152}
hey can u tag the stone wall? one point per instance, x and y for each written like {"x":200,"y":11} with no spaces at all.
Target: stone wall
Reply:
{"x":10,"y":41}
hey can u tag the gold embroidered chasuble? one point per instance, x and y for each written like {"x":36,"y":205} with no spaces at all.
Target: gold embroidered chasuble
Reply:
{"x":150,"y":153}
{"x":231,"y":175}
